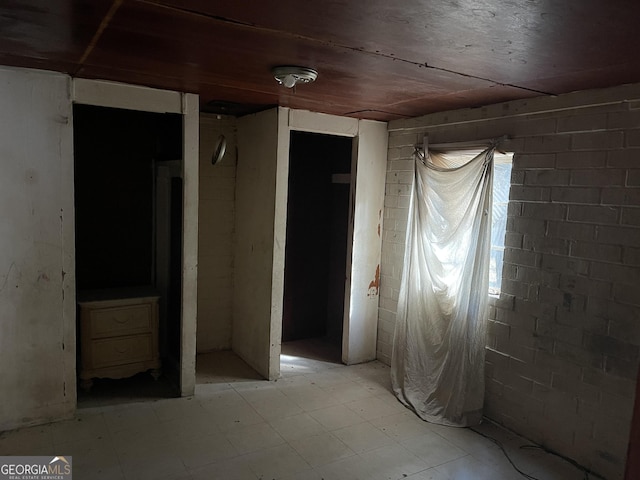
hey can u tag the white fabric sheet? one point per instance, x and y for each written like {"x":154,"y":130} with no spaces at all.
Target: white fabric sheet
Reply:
{"x":437,"y":366}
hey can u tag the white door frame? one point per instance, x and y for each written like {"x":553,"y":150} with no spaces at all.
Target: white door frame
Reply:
{"x":132,"y":97}
{"x":368,"y":177}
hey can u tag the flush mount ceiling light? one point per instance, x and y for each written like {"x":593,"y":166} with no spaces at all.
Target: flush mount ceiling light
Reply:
{"x":289,"y":76}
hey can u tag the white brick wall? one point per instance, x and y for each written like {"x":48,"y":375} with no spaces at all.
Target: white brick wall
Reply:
{"x":215,"y":235}
{"x":563,"y":342}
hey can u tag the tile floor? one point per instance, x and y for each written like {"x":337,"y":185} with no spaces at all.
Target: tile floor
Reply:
{"x":321,"y":420}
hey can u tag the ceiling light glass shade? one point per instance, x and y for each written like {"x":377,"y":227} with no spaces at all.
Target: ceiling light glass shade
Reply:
{"x":289,"y":81}
{"x":290,"y":76}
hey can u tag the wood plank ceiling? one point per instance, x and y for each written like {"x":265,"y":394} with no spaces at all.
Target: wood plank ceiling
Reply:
{"x":377,"y":59}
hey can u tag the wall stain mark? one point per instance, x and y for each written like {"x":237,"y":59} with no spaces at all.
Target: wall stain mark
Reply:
{"x":374,"y":286}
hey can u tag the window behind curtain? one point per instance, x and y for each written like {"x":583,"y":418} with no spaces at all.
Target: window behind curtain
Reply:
{"x":501,"y":185}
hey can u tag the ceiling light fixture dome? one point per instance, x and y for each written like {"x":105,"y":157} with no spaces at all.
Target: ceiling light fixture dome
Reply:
{"x":290,"y":76}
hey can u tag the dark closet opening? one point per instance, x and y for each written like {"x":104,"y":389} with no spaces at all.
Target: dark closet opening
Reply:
{"x":317,"y":231}
{"x":117,"y":156}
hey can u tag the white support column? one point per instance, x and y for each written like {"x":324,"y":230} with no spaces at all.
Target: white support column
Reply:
{"x":190,"y":129}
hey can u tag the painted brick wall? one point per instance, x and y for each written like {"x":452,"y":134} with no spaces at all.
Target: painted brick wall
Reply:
{"x":215,"y":235}
{"x":564,"y":336}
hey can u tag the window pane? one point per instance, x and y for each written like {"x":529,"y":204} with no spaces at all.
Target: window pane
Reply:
{"x":501,"y":184}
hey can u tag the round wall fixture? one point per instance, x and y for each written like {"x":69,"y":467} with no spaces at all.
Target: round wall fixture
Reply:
{"x":218,"y":151}
{"x":289,"y":75}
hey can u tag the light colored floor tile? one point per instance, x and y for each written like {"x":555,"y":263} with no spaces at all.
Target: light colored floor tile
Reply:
{"x":291,"y":366}
{"x":297,"y":426}
{"x":376,"y":387}
{"x":221,"y":367}
{"x":167,"y":466}
{"x":206,"y":437}
{"x":433,"y":449}
{"x":271,"y":402}
{"x":208,"y":389}
{"x":322,"y":449}
{"x":27,"y":441}
{"x":175,"y":408}
{"x":396,"y":418}
{"x":206,"y":450}
{"x":464,"y":438}
{"x":488,"y":452}
{"x":348,"y":392}
{"x":362,"y":437}
{"x":133,"y":455}
{"x":263,"y":394}
{"x":467,"y":468}
{"x":89,"y":453}
{"x":391,"y":462}
{"x":293,"y":380}
{"x":138,"y":415}
{"x":232,"y":469}
{"x":302,"y":361}
{"x":405,"y":427}
{"x":432,"y":474}
{"x":350,"y":468}
{"x":311,"y":474}
{"x":309,"y":397}
{"x":391,"y":399}
{"x":221,"y":399}
{"x":276,"y":462}
{"x":140,"y":440}
{"x":373,"y":407}
{"x":299,"y":390}
{"x":201,"y":425}
{"x":236,"y":416}
{"x":98,"y":472}
{"x":534,"y":462}
{"x":277,"y":407}
{"x":330,"y":378}
{"x":254,"y":437}
{"x":339,"y":416}
{"x":253,"y":385}
{"x":83,"y":427}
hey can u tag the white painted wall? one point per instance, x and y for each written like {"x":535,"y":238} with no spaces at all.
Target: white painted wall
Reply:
{"x":279,"y":242}
{"x":190,"y":178}
{"x":37,"y":285}
{"x":261,"y":216}
{"x":363,"y":289}
{"x":254,"y":247}
{"x":216,"y":228}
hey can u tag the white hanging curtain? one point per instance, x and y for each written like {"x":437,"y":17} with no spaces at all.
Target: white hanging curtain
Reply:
{"x":437,"y":366}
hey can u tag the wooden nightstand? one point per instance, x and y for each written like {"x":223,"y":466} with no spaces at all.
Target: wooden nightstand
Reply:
{"x":118,"y":334}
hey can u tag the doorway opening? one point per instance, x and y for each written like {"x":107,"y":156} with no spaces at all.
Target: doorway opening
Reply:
{"x":316,"y":246}
{"x":128,"y":218}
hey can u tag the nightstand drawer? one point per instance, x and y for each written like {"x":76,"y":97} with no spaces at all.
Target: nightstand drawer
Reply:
{"x":126,"y":320}
{"x":109,"y":352}
{"x":119,"y":334}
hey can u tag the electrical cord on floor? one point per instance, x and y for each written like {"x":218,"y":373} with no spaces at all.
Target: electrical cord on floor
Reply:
{"x":524,"y":474}
{"x":587,"y":473}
